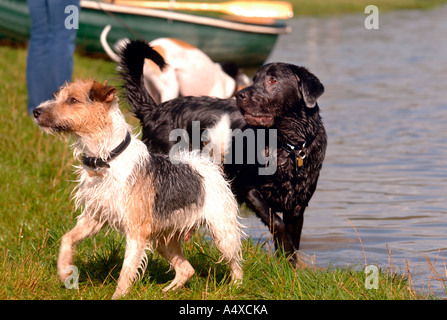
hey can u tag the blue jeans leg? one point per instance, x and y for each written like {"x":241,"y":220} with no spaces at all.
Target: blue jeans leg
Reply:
{"x":50,"y":50}
{"x":38,"y":58}
{"x":62,"y":41}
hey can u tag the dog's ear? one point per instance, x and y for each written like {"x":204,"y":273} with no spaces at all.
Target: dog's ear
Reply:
{"x":309,"y":85}
{"x":102,"y":92}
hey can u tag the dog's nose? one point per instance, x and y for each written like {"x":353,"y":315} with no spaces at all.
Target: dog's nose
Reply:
{"x":240,"y":95}
{"x":37,"y":112}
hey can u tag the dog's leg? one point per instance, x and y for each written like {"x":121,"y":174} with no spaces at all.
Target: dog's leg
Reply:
{"x":133,"y":257}
{"x":86,"y":226}
{"x":172,"y":251}
{"x":294,"y":224}
{"x":226,"y":235}
{"x":274,"y":222}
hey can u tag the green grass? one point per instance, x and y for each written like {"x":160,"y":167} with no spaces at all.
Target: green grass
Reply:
{"x":331,"y":7}
{"x":36,"y":180}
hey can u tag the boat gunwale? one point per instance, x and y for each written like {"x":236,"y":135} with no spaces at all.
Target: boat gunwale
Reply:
{"x":96,"y":5}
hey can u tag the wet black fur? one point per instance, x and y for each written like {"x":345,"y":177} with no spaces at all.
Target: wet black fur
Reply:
{"x":284,"y":92}
{"x":159,"y":120}
{"x":177,"y":186}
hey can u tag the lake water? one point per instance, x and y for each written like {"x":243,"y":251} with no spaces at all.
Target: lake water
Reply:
{"x":385,"y":111}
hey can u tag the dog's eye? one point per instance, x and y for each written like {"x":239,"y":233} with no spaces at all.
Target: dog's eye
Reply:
{"x":72,"y":100}
{"x":272,"y":80}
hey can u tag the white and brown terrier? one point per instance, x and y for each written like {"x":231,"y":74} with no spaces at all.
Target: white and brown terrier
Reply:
{"x":153,"y":201}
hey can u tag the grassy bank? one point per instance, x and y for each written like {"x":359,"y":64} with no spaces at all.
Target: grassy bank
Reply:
{"x":35,"y":211}
{"x":330,"y":7}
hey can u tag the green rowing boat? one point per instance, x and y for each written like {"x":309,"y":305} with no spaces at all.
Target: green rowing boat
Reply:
{"x":246,"y":44}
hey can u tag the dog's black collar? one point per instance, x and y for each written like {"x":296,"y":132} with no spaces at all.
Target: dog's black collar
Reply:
{"x":299,"y":152}
{"x":97,"y":163}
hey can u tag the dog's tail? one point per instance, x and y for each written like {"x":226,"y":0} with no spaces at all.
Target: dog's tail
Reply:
{"x":103,"y":39}
{"x":131,"y":63}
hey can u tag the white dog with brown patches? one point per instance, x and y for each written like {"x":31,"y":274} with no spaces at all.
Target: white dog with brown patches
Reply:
{"x":189,"y":71}
{"x":154,"y":202}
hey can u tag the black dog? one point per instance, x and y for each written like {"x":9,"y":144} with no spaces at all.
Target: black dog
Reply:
{"x":282,"y":97}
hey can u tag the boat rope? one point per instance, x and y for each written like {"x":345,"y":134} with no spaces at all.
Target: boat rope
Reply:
{"x":121,"y":22}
